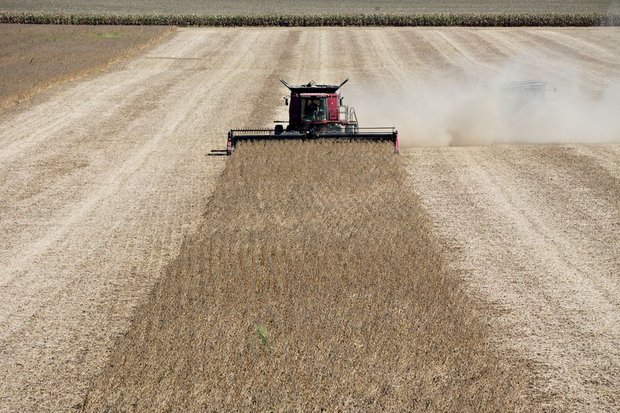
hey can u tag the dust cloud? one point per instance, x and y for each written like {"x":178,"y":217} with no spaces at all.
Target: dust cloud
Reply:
{"x":515,"y":105}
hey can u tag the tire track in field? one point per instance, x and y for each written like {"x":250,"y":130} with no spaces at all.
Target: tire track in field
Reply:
{"x":569,"y":47}
{"x":78,"y":142}
{"x":533,"y":230}
{"x":111,"y":182}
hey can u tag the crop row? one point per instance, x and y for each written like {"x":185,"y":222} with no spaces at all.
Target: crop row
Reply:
{"x":475,"y":20}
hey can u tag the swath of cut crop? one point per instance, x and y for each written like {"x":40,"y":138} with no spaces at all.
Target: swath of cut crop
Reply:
{"x":314,"y":283}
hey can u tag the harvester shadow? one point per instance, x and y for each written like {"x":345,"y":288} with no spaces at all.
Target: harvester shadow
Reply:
{"x":217,"y":152}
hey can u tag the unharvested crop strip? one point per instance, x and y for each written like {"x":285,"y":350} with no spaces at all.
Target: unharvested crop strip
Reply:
{"x":437,"y":19}
{"x":314,"y":282}
{"x":35,"y":57}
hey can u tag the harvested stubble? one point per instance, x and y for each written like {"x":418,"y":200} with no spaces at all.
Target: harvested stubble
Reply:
{"x":314,"y":283}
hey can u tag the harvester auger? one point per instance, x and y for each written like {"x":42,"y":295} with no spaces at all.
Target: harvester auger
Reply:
{"x":315,"y":112}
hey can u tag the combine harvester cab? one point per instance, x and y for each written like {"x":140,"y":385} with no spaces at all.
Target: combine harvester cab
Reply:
{"x":315,"y":112}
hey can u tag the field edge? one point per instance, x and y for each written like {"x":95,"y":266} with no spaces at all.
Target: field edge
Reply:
{"x":336,"y":20}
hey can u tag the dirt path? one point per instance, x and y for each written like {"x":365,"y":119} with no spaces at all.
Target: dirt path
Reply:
{"x":101,"y":179}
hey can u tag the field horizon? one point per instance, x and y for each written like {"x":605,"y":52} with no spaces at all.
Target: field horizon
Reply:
{"x":435,"y":19}
{"x":221,"y":7}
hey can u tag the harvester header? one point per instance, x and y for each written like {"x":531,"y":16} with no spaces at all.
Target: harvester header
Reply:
{"x":315,"y":112}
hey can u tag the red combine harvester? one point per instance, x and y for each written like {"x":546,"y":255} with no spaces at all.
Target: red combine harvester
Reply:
{"x":315,"y":112}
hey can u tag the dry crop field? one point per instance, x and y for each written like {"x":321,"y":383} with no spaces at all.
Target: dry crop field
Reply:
{"x":304,"y":8}
{"x":139,"y":272}
{"x":33,"y":57}
{"x":309,"y":287}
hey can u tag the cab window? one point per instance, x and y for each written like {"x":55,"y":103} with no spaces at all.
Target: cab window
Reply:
{"x":314,"y":109}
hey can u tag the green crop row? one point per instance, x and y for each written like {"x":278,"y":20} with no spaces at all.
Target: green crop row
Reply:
{"x":473,"y":20}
